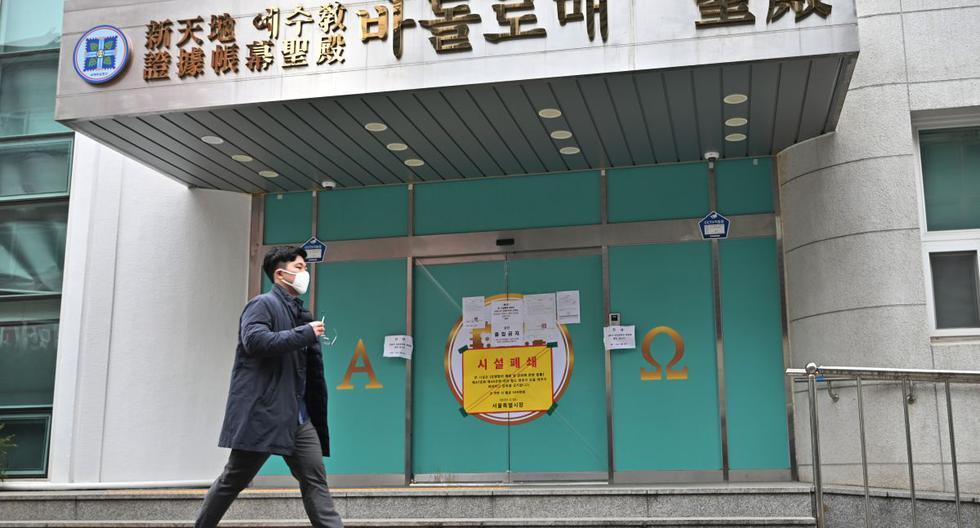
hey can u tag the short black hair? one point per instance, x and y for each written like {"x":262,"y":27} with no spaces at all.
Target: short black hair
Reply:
{"x":280,"y":255}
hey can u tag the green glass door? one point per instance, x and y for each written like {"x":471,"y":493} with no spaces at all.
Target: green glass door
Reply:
{"x":447,"y":445}
{"x":571,"y":441}
{"x":568,"y":440}
{"x":665,"y":392}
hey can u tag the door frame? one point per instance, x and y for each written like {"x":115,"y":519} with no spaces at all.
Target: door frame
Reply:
{"x":509,"y":477}
{"x":593,"y":239}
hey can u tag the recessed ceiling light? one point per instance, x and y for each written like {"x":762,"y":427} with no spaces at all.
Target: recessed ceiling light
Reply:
{"x":736,"y":122}
{"x":413,"y":162}
{"x":242,"y":158}
{"x":561,"y":134}
{"x":736,"y":98}
{"x":735,"y":137}
{"x":268,"y":174}
{"x":376,"y":127}
{"x":397,"y":147}
{"x":549,"y":113}
{"x":569,"y":151}
{"x":212,"y":140}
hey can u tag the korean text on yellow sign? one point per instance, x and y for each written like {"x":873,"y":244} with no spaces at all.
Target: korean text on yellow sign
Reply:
{"x":517,"y":379}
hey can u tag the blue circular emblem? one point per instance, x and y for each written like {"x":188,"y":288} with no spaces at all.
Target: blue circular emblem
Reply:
{"x":101,"y":54}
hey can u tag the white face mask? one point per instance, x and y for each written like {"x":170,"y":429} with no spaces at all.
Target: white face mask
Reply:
{"x":301,"y":281}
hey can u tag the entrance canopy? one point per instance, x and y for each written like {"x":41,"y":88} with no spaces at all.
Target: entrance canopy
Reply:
{"x":249,"y":97}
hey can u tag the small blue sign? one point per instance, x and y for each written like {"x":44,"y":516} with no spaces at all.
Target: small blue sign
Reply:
{"x":316,"y":251}
{"x":101,"y":55}
{"x":715,"y":226}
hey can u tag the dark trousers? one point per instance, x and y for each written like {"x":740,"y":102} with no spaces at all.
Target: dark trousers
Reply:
{"x":306,"y":465}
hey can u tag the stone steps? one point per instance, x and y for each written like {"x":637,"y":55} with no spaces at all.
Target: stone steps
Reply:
{"x":783,"y":500}
{"x":661,"y":522}
{"x":775,"y":505}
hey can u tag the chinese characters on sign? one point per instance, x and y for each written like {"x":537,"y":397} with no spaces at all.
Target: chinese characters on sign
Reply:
{"x":735,"y":12}
{"x":318,"y":34}
{"x":802,"y":8}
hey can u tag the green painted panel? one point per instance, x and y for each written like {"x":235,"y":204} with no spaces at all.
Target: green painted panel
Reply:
{"x":573,"y":438}
{"x":288,"y":218}
{"x":371,"y":212}
{"x":757,"y":434}
{"x":950,"y":158}
{"x":362,"y":301}
{"x":745,"y":186}
{"x":444,"y":441}
{"x":665,"y":424}
{"x":547,"y":200}
{"x":660,"y":192}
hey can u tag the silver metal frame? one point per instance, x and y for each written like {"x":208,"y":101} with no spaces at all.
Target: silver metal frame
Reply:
{"x":908,"y":447}
{"x":814,"y":374}
{"x":409,"y":326}
{"x":864,"y":454}
{"x":336,"y":480}
{"x":255,"y":249}
{"x":410,"y":295}
{"x":510,"y":477}
{"x":314,"y":229}
{"x":669,"y":477}
{"x":484,"y":243}
{"x":784,"y":321}
{"x":540,"y":243}
{"x":719,"y":326}
{"x":607,"y":308}
{"x":952,"y":451}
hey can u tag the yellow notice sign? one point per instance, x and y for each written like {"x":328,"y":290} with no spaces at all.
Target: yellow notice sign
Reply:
{"x":507,"y":379}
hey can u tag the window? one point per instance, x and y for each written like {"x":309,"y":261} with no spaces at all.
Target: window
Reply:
{"x":35,"y":168}
{"x":28,"y":87}
{"x":27,"y":26}
{"x":954,"y":286}
{"x":950,"y":206}
{"x":32,"y":248}
{"x":951,"y":178}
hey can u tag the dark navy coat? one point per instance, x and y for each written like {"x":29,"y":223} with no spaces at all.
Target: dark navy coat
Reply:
{"x":277,"y":351}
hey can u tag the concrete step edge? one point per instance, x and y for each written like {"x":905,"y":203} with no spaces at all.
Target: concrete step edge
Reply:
{"x":260,"y":494}
{"x":381,"y":523}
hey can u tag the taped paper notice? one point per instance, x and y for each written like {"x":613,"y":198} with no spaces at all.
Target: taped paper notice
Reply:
{"x":399,"y":346}
{"x":507,"y":323}
{"x":542,"y":313}
{"x":569,"y":311}
{"x":619,"y":337}
{"x":475,"y":313}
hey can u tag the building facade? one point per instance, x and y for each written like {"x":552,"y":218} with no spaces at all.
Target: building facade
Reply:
{"x":564,"y":166}
{"x":35,"y":165}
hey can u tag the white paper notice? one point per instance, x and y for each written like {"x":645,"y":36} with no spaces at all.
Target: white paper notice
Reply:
{"x":541,"y":311}
{"x":507,"y":323}
{"x":619,"y":337}
{"x":569,"y":311}
{"x":475,"y":313}
{"x":399,"y":346}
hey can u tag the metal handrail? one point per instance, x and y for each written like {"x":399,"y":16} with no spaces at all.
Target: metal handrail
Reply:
{"x":813,"y":374}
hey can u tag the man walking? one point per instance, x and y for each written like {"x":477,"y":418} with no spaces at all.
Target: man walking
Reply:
{"x":277,"y":402}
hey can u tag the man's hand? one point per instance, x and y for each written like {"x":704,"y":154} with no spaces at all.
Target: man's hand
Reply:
{"x":317,"y":328}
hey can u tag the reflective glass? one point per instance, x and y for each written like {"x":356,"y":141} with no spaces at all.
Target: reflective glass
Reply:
{"x":30,"y":25}
{"x":34,"y":167}
{"x":27,"y":361}
{"x":27,"y":92}
{"x":32,"y":248}
{"x":30,"y":457}
{"x":954,"y":284}
{"x":951,"y":177}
